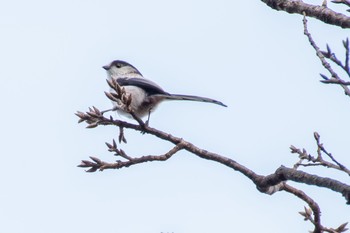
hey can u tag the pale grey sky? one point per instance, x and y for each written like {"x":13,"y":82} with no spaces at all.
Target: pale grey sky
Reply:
{"x":254,"y":59}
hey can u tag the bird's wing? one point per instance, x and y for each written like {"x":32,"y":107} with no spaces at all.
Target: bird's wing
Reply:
{"x":149,"y":86}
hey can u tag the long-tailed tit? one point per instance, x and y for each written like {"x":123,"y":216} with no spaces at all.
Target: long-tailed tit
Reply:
{"x":145,"y":94}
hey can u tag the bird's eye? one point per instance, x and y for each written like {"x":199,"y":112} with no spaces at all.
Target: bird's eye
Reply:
{"x":118,"y":65}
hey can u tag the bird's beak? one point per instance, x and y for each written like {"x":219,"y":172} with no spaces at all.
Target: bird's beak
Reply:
{"x":106,"y":67}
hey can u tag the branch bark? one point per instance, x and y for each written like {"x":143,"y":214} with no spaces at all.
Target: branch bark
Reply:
{"x":321,"y":13}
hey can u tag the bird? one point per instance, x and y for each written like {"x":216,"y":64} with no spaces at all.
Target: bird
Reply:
{"x":145,"y":94}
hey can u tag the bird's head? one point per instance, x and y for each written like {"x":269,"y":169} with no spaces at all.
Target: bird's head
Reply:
{"x":119,"y":68}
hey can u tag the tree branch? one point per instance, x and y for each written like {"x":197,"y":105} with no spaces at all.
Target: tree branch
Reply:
{"x":345,"y":2}
{"x":321,"y":13}
{"x":321,"y":56}
{"x":316,"y":221}
{"x":266,"y":184}
{"x":318,"y":160}
{"x":97,"y":164}
{"x":315,"y":210}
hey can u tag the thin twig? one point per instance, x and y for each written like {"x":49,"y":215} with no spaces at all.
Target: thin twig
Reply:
{"x":347,"y":48}
{"x":97,"y":164}
{"x":320,"y":55}
{"x":318,"y":161}
{"x":335,"y":81}
{"x":345,"y":2}
{"x":331,"y":56}
{"x":340,"y":166}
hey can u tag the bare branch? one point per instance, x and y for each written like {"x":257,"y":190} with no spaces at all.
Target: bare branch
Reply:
{"x":321,"y":13}
{"x":315,"y":210}
{"x":121,"y":137}
{"x":97,"y":164}
{"x":267,"y":184}
{"x":347,"y":48}
{"x":316,"y":220}
{"x":345,"y":2}
{"x":321,"y":148}
{"x":335,"y":81}
{"x":318,"y":161}
{"x":321,"y":56}
{"x":284,"y":174}
{"x":331,"y":56}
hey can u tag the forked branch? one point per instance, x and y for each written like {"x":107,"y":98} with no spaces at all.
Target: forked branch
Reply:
{"x":335,"y":79}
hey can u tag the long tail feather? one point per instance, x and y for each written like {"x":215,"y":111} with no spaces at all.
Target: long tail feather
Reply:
{"x":194,"y":98}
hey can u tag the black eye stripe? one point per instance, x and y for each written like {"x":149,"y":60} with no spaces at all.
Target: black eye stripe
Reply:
{"x":120,"y":64}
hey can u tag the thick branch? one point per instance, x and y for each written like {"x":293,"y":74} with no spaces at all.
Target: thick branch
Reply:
{"x":284,"y":173}
{"x":321,"y":13}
